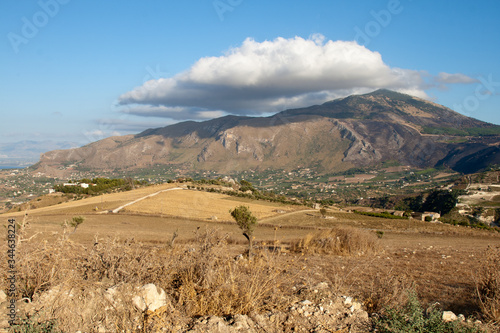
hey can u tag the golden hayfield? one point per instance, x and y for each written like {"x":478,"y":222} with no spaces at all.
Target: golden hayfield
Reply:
{"x":202,"y":205}
{"x":102,"y":202}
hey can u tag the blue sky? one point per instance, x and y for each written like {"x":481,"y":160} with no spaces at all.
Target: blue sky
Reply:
{"x":83,"y":70}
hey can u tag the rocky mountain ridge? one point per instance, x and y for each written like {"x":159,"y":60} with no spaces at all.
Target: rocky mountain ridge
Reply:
{"x":356,"y":131}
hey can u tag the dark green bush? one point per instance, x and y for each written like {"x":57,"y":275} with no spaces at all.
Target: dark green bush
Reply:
{"x":412,"y":318}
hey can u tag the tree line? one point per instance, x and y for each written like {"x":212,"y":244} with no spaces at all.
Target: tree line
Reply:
{"x":99,"y":185}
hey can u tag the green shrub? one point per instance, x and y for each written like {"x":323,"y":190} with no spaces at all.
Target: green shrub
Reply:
{"x":412,"y":318}
{"x":28,"y":325}
{"x":384,"y":215}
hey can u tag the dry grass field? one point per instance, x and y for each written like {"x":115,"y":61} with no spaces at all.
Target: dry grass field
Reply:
{"x":373,"y":259}
{"x":102,"y":203}
{"x":202,"y":205}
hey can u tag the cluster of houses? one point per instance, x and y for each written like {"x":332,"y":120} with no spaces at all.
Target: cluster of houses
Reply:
{"x":82,"y":185}
{"x":425,"y":216}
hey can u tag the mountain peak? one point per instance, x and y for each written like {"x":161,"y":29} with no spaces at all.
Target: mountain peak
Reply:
{"x":394,"y":95}
{"x":390,"y":106}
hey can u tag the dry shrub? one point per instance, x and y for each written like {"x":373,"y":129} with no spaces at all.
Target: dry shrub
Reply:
{"x":212,"y":283}
{"x":74,"y":306}
{"x":488,"y":284}
{"x":67,"y":282}
{"x":386,"y":290}
{"x":41,"y":265}
{"x":339,"y":241}
{"x":70,"y":284}
{"x":125,"y":262}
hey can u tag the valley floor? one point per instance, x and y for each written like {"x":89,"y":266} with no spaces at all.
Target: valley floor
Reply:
{"x":442,"y":263}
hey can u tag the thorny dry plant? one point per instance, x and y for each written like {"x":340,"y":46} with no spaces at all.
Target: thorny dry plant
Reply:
{"x":488,"y":284}
{"x":339,"y":241}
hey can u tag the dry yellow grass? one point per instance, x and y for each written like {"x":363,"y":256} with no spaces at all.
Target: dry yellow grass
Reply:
{"x":134,"y":249}
{"x":200,"y":205}
{"x":339,"y":241}
{"x":104,"y":202}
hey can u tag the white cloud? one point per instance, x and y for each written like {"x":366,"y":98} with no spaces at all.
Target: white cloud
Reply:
{"x":115,"y":127}
{"x":123,"y":124}
{"x":270,"y":76}
{"x":458,"y":78}
{"x":176,"y":113}
{"x":98,"y":133}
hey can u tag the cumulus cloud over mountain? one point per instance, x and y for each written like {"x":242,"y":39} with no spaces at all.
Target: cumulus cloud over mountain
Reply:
{"x":270,"y":76}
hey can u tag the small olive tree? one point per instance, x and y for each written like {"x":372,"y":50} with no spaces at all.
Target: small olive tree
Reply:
{"x":247,"y":223}
{"x":74,"y":223}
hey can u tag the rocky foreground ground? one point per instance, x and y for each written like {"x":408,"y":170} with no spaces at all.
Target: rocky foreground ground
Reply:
{"x":151,"y":310}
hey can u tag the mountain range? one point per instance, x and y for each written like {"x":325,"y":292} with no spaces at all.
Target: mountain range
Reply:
{"x":355,"y":131}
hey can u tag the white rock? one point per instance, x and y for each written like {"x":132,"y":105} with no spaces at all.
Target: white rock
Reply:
{"x":111,"y":294}
{"x":150,"y":297}
{"x":348,"y":301}
{"x":4,"y":324}
{"x":306,"y":302}
{"x":355,"y":306}
{"x":3,"y":296}
{"x":449,"y":316}
{"x":240,"y":323}
{"x":362,"y":315}
{"x":321,"y":286}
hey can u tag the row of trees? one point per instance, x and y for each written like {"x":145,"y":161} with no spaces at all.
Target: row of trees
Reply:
{"x":439,"y":201}
{"x":243,"y":192}
{"x":99,"y":185}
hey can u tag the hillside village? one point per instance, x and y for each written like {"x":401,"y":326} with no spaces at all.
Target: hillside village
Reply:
{"x":482,"y":201}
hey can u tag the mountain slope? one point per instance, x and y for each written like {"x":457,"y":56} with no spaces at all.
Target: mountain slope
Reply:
{"x":360,"y":130}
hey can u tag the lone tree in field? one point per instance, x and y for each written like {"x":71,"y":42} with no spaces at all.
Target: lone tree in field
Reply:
{"x":246,"y":221}
{"x":74,"y":223}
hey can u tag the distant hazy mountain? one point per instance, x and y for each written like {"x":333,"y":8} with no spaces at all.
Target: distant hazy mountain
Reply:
{"x":356,"y":131}
{"x":25,"y":153}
